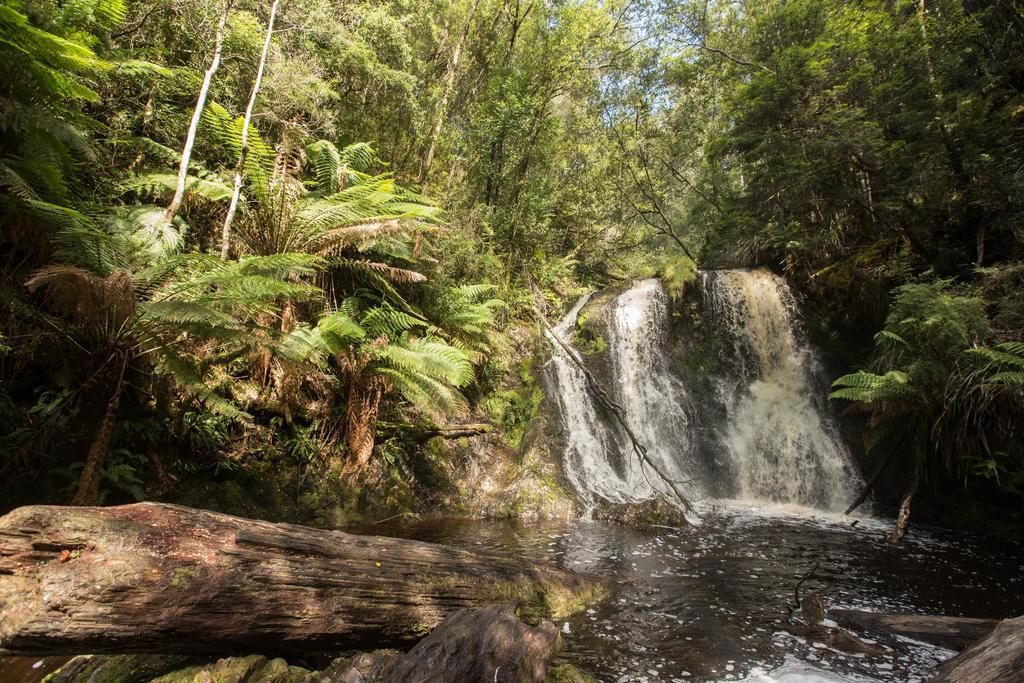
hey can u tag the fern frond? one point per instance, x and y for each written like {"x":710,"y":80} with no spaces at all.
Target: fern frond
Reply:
{"x":110,"y":13}
{"x":155,"y":183}
{"x":390,"y":273}
{"x":425,"y":393}
{"x":327,"y":166}
{"x":385,"y":320}
{"x":15,"y":184}
{"x":886,"y":336}
{"x":185,"y":313}
{"x":140,"y":67}
{"x":866,"y":387}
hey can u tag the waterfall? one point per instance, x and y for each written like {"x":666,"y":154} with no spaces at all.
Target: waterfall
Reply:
{"x":590,"y":445}
{"x":598,"y":459}
{"x":781,"y":443}
{"x":762,"y":432}
{"x":654,"y":400}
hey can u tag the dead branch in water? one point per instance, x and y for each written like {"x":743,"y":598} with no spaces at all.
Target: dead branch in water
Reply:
{"x":796,"y":589}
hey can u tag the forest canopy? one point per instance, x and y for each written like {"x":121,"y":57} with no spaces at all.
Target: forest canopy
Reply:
{"x":289,"y":236}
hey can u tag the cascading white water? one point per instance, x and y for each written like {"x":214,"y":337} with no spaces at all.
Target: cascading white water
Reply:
{"x":588,"y":440}
{"x":599,"y":460}
{"x":781,"y":443}
{"x":654,"y":401}
{"x":766,"y":418}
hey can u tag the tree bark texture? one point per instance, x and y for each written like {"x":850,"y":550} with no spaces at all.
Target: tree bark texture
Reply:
{"x":157,"y":578}
{"x":998,"y":658}
{"x":361,"y":408}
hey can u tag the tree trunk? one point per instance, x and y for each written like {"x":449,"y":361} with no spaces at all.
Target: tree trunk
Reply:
{"x":190,"y":138}
{"x":156,"y":578}
{"x":998,"y":658}
{"x":903,"y":519}
{"x":361,"y":408}
{"x":225,"y":237}
{"x":446,"y":93}
{"x":88,"y":490}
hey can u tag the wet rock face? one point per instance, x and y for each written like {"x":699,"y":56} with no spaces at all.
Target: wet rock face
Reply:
{"x":592,"y":333}
{"x":496,"y":481}
{"x":653,"y":512}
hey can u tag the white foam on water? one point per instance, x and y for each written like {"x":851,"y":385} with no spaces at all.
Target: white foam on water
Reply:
{"x":794,"y":670}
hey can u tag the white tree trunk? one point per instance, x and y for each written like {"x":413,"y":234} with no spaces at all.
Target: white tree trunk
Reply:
{"x":190,"y":139}
{"x":225,"y":238}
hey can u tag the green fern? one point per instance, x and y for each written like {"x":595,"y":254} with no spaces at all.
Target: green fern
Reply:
{"x":866,"y":387}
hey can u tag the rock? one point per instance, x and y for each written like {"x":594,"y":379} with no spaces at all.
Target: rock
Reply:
{"x":490,"y":644}
{"x":568,"y":673}
{"x":365,"y":667}
{"x":653,"y":512}
{"x":117,"y":668}
{"x":487,"y":645}
{"x":228,"y":670}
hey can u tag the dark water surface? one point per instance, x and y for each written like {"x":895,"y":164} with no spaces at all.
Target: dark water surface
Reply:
{"x":708,"y":603}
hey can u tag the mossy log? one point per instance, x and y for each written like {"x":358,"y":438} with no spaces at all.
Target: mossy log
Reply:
{"x":997,"y":658}
{"x":156,"y":578}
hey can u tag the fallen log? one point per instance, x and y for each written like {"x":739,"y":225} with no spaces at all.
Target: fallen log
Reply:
{"x":997,"y":658}
{"x":423,"y":432}
{"x":453,"y":431}
{"x":954,"y":633}
{"x":155,"y":578}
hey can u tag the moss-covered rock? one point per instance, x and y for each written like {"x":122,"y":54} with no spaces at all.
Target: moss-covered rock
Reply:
{"x":568,"y":673}
{"x":653,"y":512}
{"x":228,"y":670}
{"x":537,"y":601}
{"x":117,"y":668}
{"x":365,"y":666}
